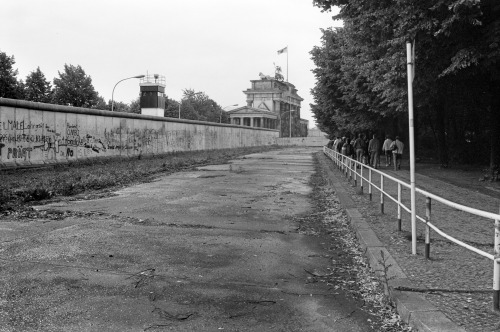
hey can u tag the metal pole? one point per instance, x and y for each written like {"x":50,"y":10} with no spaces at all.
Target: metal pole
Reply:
{"x":427,"y":228}
{"x":355,"y":174}
{"x":370,"y":182}
{"x":113,"y":93}
{"x":350,"y":169}
{"x":399,"y":206}
{"x":410,"y":64}
{"x":179,"y":110}
{"x":381,"y":192}
{"x":496,"y":268}
{"x":361,"y":178}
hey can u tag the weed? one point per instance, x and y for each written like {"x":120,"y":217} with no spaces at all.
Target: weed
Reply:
{"x":383,"y":275}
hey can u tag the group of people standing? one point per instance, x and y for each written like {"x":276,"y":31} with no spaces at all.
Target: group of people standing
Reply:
{"x":368,"y":151}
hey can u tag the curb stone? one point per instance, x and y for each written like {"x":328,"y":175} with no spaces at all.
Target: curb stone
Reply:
{"x":413,"y":308}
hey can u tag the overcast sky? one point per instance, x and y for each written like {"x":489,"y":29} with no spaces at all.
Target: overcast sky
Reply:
{"x":213,"y":46}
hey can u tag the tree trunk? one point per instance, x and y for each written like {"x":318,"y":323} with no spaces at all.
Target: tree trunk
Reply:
{"x":441,"y":134}
{"x":494,"y":137}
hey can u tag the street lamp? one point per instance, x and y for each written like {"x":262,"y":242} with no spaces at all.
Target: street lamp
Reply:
{"x":113,"y":93}
{"x":220,"y":116}
{"x":193,"y":94}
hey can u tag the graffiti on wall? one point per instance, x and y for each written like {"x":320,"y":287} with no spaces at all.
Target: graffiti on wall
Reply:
{"x":19,"y":139}
{"x":24,"y":139}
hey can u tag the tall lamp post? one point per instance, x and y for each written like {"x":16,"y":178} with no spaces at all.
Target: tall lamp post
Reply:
{"x":220,"y":116}
{"x":113,"y":93}
{"x":193,"y":94}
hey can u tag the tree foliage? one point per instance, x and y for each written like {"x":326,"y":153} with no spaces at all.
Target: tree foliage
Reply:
{"x":199,"y":106}
{"x":74,"y":88}
{"x":361,"y":73}
{"x":37,"y":88}
{"x":10,"y":87}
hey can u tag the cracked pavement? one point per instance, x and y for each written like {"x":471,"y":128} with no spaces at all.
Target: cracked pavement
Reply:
{"x":213,"y":249}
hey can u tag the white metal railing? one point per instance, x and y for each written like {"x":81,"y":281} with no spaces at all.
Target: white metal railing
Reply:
{"x":350,"y":166}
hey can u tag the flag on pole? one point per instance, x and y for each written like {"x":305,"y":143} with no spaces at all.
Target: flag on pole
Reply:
{"x":283,"y":50}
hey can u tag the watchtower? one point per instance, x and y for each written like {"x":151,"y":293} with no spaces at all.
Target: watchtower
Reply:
{"x":152,"y":99}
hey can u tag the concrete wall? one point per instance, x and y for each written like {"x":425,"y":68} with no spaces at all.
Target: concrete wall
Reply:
{"x":303,"y":141}
{"x":36,"y":133}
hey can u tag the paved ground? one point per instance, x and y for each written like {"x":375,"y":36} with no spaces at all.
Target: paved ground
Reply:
{"x":217,"y":249}
{"x":457,"y":281}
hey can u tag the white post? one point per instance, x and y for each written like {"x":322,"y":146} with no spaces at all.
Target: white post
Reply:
{"x":361,"y":177}
{"x":381,"y":192}
{"x":370,"y":183}
{"x":410,"y":64}
{"x":399,"y":207}
{"x":496,"y":268}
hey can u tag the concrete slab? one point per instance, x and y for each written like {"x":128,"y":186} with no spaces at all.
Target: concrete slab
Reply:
{"x":433,"y":321}
{"x":367,"y":238}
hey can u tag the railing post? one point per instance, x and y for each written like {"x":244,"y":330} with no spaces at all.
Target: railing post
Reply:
{"x":370,"y":182}
{"x":382,"y":193}
{"x":346,"y":168}
{"x":496,"y":268}
{"x":427,"y":251}
{"x":361,"y":178}
{"x":355,"y":174}
{"x":350,"y":170}
{"x":399,"y":206}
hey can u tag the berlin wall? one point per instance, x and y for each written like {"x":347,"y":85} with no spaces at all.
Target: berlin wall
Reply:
{"x":36,"y":133}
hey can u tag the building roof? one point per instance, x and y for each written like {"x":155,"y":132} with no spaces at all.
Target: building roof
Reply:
{"x":251,"y":110}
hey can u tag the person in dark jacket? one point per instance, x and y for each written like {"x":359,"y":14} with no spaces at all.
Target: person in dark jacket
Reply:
{"x":374,"y":149}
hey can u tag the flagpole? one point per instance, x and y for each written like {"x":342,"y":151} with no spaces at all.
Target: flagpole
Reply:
{"x":287,"y":63}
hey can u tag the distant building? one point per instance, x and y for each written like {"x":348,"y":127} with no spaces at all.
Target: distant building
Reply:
{"x":269,"y":105}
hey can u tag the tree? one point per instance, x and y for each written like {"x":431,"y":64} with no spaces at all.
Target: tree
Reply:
{"x":37,"y":88}
{"x":10,"y":87}
{"x":74,"y":88}
{"x":135,"y":106}
{"x":361,"y":71}
{"x":101,"y":104}
{"x":198,"y":106}
{"x":171,"y":108}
